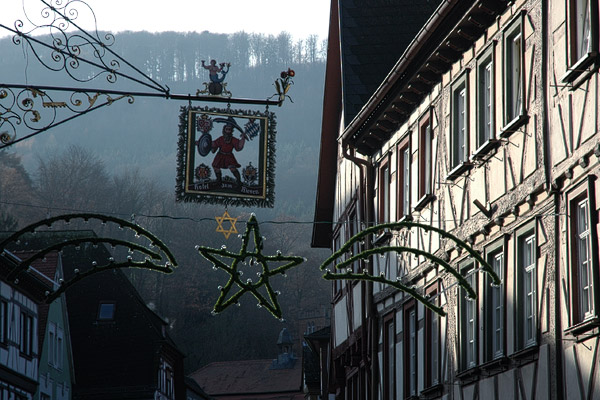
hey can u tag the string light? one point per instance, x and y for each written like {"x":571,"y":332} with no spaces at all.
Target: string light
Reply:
{"x":216,"y":256}
{"x":152,"y":259}
{"x":268,"y":222}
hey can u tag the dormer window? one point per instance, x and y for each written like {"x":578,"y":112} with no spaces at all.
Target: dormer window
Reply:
{"x":106,"y":311}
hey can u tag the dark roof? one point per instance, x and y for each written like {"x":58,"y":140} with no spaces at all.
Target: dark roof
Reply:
{"x":248,"y":377}
{"x":451,"y":30}
{"x":113,"y":359}
{"x":366,"y":39}
{"x":374,"y":34}
{"x":193,"y":386}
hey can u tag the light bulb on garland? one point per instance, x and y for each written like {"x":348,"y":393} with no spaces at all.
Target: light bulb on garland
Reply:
{"x":235,"y":276}
{"x":412,"y":291}
{"x":153,"y":260}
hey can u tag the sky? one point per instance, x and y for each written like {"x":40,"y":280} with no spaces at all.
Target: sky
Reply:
{"x":299,"y":18}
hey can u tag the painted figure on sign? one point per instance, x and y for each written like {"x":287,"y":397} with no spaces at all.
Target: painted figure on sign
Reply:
{"x":224,"y":147}
{"x":213,"y":71}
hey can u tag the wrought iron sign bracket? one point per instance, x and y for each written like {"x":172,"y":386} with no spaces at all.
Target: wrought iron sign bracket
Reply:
{"x":32,"y":106}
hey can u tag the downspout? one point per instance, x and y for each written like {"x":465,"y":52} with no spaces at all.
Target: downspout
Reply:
{"x":369,"y":326}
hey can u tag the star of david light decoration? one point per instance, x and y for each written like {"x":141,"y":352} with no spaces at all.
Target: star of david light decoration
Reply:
{"x":232,"y":228}
{"x":256,"y":258}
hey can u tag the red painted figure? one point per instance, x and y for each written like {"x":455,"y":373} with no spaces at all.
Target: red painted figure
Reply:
{"x":224,"y":157}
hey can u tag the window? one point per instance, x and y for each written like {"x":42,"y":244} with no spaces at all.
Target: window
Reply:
{"x":526,"y":273}
{"x":165,"y":379}
{"x":384,"y":192}
{"x":389,"y":358}
{"x":353,"y":229}
{"x":460,"y":124}
{"x":51,"y":343}
{"x":353,"y":384}
{"x":582,"y":22}
{"x":3,"y":322}
{"x":468,"y":319}
{"x":26,"y":342}
{"x":59,"y":348}
{"x":582,"y":239}
{"x":495,"y":304}
{"x":404,"y":179}
{"x":514,"y":78}
{"x":432,"y":338}
{"x":106,"y":311}
{"x":459,"y":138}
{"x":410,"y":350}
{"x":485,"y":101}
{"x":337,"y":283}
{"x":425,"y":160}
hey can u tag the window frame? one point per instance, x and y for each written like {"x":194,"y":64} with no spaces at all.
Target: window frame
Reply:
{"x":432,"y":339}
{"x":4,"y":311}
{"x":426,"y":163}
{"x":579,"y":64}
{"x":492,"y":351}
{"x":51,"y":343}
{"x":485,"y":142}
{"x":383,"y":190}
{"x":585,"y":190}
{"x":353,"y":228}
{"x":403,"y":181}
{"x":337,"y":283}
{"x":459,"y":159}
{"x":411,"y":370}
{"x":389,"y":356}
{"x":525,"y":232}
{"x":513,"y":118}
{"x":469,"y":269}
{"x":101,"y":303}
{"x":26,"y":324}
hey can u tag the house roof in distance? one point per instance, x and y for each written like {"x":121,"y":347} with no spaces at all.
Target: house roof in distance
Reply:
{"x":250,"y":377}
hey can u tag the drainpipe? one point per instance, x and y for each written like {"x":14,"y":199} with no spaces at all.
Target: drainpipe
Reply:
{"x":369,"y":325}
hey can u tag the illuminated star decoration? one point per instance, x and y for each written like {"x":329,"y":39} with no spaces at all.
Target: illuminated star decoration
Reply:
{"x":255,"y":257}
{"x":232,"y":228}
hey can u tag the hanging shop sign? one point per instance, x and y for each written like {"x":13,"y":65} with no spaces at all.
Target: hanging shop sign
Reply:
{"x":226,"y":157}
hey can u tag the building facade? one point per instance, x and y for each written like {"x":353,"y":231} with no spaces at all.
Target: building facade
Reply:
{"x":56,"y":362}
{"x":485,"y":127}
{"x":19,"y":340}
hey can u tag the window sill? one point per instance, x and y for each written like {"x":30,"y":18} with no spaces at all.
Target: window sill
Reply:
{"x":423,"y":201}
{"x":514,"y":125}
{"x":583,"y":327}
{"x":581,"y":70}
{"x":432,"y":391}
{"x":469,"y":374}
{"x":495,"y":366}
{"x":525,"y":355}
{"x":458,"y":170}
{"x":485,"y":148}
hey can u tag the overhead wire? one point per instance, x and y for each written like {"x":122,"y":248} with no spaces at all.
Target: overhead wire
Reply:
{"x":205,"y":219}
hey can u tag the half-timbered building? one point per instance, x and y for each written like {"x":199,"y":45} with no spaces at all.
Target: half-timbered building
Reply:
{"x":574,"y":150}
{"x":485,"y":127}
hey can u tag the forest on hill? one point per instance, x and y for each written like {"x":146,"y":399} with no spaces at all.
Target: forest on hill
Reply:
{"x":121,"y":160}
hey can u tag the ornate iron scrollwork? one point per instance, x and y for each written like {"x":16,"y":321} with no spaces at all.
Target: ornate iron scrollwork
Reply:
{"x":38,"y":111}
{"x":61,"y":50}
